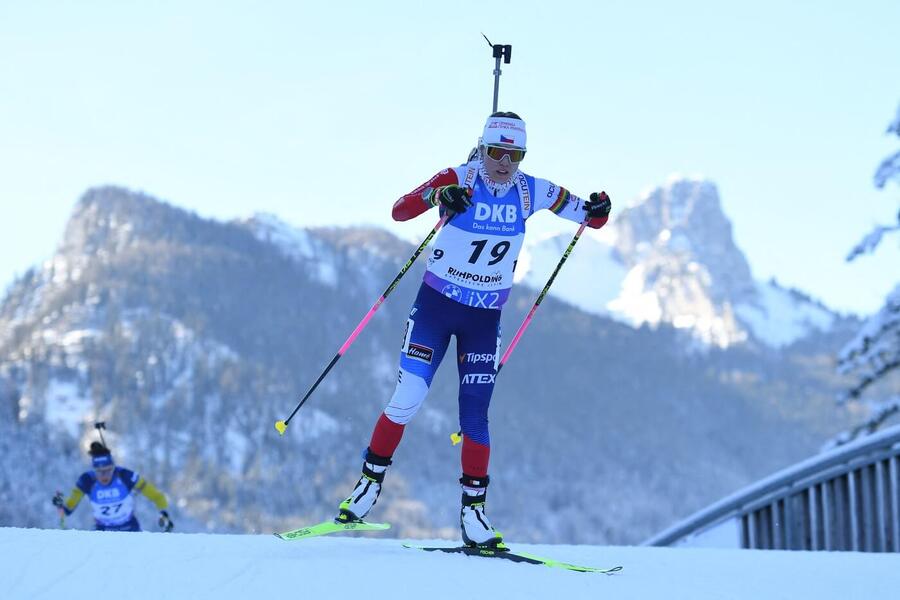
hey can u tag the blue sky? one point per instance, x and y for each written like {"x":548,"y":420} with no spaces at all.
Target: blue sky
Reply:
{"x":326,"y":114}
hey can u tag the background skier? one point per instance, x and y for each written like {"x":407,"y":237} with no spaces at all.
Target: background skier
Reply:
{"x":110,"y":489}
{"x":467,"y":280}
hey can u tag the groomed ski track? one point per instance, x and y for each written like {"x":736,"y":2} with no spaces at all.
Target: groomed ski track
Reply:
{"x":52,"y":564}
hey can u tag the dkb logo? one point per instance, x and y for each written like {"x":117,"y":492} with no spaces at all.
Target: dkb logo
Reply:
{"x":499,"y":213}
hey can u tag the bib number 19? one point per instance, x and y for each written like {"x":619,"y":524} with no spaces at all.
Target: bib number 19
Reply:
{"x":498,"y":251}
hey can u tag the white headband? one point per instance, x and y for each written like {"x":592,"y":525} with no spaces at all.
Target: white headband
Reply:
{"x":503,"y":130}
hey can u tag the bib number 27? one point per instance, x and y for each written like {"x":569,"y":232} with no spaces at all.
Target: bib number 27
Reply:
{"x":108,"y":509}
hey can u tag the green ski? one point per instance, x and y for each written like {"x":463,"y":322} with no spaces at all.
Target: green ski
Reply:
{"x":327,"y":527}
{"x":504,"y":553}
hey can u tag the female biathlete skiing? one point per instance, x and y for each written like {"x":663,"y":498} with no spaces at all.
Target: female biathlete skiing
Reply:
{"x":467,"y":280}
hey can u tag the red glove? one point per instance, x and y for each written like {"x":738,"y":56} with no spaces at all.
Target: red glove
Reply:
{"x":598,"y":206}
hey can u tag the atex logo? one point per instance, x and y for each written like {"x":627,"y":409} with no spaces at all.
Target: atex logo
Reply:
{"x":418,"y":352}
{"x":473,"y":357}
{"x":478,"y":378}
{"x":498,"y":213}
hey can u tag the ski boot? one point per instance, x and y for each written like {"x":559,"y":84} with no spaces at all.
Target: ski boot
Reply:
{"x":476,"y":527}
{"x":368,"y":488}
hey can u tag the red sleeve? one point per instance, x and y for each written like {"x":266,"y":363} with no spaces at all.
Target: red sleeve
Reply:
{"x":412,"y":204}
{"x":597,"y":222}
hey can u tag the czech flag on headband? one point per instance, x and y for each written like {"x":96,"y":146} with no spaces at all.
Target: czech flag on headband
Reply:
{"x":506,"y":140}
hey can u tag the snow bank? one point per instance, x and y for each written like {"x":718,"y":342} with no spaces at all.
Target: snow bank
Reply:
{"x":53,"y":564}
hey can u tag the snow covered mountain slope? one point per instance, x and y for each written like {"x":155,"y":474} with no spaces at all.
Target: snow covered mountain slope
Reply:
{"x":670,"y":258}
{"x":46,"y":564}
{"x":190,"y":337}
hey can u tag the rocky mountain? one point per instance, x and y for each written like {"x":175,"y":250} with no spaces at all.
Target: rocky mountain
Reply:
{"x":189,"y":337}
{"x":670,"y":258}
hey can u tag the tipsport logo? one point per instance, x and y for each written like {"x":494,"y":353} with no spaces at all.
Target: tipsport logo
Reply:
{"x":475,"y":358}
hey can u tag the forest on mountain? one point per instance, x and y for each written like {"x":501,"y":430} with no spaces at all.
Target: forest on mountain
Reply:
{"x":189,"y":337}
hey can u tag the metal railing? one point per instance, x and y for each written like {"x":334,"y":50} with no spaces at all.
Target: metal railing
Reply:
{"x":845,"y":499}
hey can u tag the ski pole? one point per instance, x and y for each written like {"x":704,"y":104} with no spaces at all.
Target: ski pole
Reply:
{"x":457,"y":437}
{"x":58,"y":503}
{"x":527,"y":321}
{"x":281,"y":426}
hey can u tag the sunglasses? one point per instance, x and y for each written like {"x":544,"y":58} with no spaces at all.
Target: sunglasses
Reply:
{"x":104,"y":471}
{"x":498,"y":152}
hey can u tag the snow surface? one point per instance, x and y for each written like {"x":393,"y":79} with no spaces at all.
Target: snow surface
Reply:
{"x":596,"y":282}
{"x":782,"y":319}
{"x":295,"y":243}
{"x":591,"y":278}
{"x":53,"y":564}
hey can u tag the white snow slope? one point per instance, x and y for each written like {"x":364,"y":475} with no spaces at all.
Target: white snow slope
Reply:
{"x":54,"y":564}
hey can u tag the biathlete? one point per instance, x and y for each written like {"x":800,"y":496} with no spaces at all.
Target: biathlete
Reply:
{"x":467,"y":280}
{"x":111,"y":491}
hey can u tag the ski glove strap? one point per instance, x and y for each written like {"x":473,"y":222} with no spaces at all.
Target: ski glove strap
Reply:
{"x":598,"y":206}
{"x":452,"y":197}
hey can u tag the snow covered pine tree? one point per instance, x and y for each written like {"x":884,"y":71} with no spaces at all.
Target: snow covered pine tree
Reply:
{"x":874,"y":352}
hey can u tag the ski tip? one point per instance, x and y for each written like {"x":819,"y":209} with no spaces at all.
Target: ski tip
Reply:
{"x":281,"y":427}
{"x":582,"y":569}
{"x":329,"y":527}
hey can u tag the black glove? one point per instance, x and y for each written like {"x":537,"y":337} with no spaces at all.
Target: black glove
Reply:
{"x":58,"y":500}
{"x":452,"y":197}
{"x":165,"y":523}
{"x":598,"y":206}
